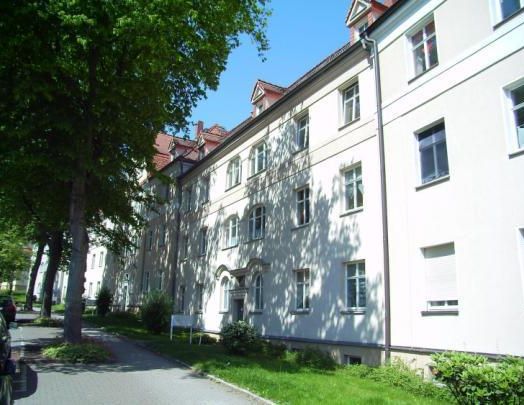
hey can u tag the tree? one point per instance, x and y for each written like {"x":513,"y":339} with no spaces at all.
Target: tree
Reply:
{"x":14,"y":253}
{"x":91,"y":83}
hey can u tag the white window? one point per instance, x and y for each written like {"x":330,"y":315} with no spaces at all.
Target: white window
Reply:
{"x":259,"y":292}
{"x":97,"y":287}
{"x":233,"y":173}
{"x":90,"y":291}
{"x":303,"y":206}
{"x":232,"y":231}
{"x":516,"y":99}
{"x":257,"y":223}
{"x":205,"y":189}
{"x":200,"y":297}
{"x":302,"y":287}
{"x":441,"y":282}
{"x":259,"y":108}
{"x":506,"y":8}
{"x":182,"y":298}
{"x":202,"y":248}
{"x":350,"y":104}
{"x":93,"y":260}
{"x":433,"y":153}
{"x":302,"y":135}
{"x":356,"y":286}
{"x":258,"y":158}
{"x":359,"y":31}
{"x":424,"y":48}
{"x":353,"y":188}
{"x":150,"y":239}
{"x":224,"y":295}
{"x":146,"y":282}
{"x":101,"y":259}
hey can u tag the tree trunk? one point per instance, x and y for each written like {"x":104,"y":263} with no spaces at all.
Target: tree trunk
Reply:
{"x":75,"y":281}
{"x":32,"y":277}
{"x":55,"y":255}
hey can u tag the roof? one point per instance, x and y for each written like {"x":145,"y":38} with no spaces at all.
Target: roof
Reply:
{"x":265,"y":86}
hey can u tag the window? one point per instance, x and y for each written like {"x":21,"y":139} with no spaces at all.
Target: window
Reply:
{"x":506,"y":8}
{"x":201,"y":153}
{"x":146,"y":282}
{"x":359,"y":31}
{"x":182,"y":298}
{"x":349,"y":360}
{"x":224,"y":295}
{"x":259,"y":293}
{"x":233,"y":173}
{"x":259,"y":108}
{"x":185,"y":247}
{"x":202,"y":248}
{"x":93,"y":260}
{"x":167,"y":190}
{"x":433,"y":153}
{"x":200,"y":297}
{"x":90,"y":291}
{"x":353,"y":188}
{"x":205,"y":189}
{"x":258,"y":158}
{"x":302,"y":285}
{"x":150,"y":239}
{"x":101,"y":259}
{"x":232,"y":232}
{"x":257,"y":223}
{"x":350,"y":104}
{"x":516,"y":96}
{"x":163,"y":235}
{"x":303,"y":206}
{"x":161,"y":281}
{"x":97,"y":287}
{"x":441,"y":283}
{"x":302,"y":136}
{"x":187,"y":198}
{"x":356,"y":286}
{"x":424,"y":48}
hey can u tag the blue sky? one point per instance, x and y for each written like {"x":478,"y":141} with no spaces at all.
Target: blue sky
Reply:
{"x":301,"y":33}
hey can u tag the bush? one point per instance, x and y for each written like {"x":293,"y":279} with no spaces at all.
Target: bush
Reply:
{"x":48,"y":322}
{"x":86,"y":352}
{"x":472,"y":379}
{"x":103,"y":301}
{"x":155,"y":312}
{"x":239,"y":337}
{"x":315,"y":358}
{"x":274,"y":350}
{"x":205,"y":339}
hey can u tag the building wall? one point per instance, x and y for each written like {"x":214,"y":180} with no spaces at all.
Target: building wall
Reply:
{"x":479,"y":207}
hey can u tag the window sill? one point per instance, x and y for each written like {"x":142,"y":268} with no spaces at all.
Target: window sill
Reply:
{"x":253,"y":240}
{"x":422,"y":74}
{"x":355,"y":311}
{"x":298,"y":151}
{"x":301,"y":311}
{"x":516,"y":153}
{"x":432,"y":183}
{"x":296,"y":228}
{"x":232,"y":187}
{"x":440,"y":312}
{"x":509,"y":17}
{"x":256,"y":174}
{"x":256,"y":312}
{"x":230,"y":247}
{"x":351,"y":212}
{"x":344,"y":126}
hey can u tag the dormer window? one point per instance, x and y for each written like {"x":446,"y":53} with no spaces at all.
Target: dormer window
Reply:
{"x":360,"y":30}
{"x":259,"y":108}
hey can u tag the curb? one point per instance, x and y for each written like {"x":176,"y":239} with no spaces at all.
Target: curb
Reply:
{"x":189,"y":367}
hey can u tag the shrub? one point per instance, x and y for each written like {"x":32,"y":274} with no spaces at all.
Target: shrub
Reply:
{"x":315,"y":358}
{"x":205,"y":339}
{"x":472,"y":379}
{"x":155,"y":312}
{"x":239,"y":337}
{"x":86,"y":352}
{"x":103,"y":301}
{"x":274,"y":350}
{"x":48,"y":322}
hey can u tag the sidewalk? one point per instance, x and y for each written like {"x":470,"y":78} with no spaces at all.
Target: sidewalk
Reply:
{"x":137,"y":376}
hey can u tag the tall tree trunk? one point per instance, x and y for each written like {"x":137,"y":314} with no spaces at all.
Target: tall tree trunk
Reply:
{"x":55,"y":255}
{"x":75,"y":281}
{"x":32,"y":277}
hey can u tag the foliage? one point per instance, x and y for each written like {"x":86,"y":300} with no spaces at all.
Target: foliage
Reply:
{"x":48,"y":322}
{"x":58,"y":308}
{"x":85,"y":352}
{"x":473,"y":380}
{"x":204,"y":338}
{"x":239,"y":337}
{"x":313,"y":357}
{"x":155,"y":312}
{"x":14,"y":253}
{"x":104,"y":299}
{"x":275,"y":350}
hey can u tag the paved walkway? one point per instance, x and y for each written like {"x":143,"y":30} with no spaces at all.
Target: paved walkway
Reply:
{"x":136,"y":377}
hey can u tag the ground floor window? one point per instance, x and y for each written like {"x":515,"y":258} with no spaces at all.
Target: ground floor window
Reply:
{"x":302,"y":288}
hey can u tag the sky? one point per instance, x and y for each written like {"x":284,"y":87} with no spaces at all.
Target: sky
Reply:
{"x":301,"y":33}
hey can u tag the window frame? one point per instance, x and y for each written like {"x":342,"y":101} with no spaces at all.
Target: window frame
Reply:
{"x":101,"y":259}
{"x":234,"y":172}
{"x":206,"y":186}
{"x":258,"y":292}
{"x":496,"y":10}
{"x":225,"y":288}
{"x":515,"y":146}
{"x":355,"y":102}
{"x":203,"y":241}
{"x":420,"y":27}
{"x":254,"y":159}
{"x":357,"y":277}
{"x":252,"y":221}
{"x":305,"y":287}
{"x":354,"y":182}
{"x":150,"y":240}
{"x":425,"y":133}
{"x":299,"y":143}
{"x":185,"y":247}
{"x":200,"y":297}
{"x":228,"y":238}
{"x":303,"y":206}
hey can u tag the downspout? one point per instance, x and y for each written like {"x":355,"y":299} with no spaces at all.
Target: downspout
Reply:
{"x":177,"y":204}
{"x":370,"y":45}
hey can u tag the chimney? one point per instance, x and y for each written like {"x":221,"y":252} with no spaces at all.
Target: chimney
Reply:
{"x":199,"y":127}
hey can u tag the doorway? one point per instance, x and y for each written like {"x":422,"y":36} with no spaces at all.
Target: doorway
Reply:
{"x":238,"y":310}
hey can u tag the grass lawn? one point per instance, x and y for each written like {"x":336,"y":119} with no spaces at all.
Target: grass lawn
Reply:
{"x":281,"y":380}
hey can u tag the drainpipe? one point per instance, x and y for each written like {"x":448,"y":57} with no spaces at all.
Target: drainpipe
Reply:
{"x":178,"y":204}
{"x":370,"y":45}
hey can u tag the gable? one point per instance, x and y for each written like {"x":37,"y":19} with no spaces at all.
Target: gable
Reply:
{"x":357,"y":10}
{"x":258,"y":92}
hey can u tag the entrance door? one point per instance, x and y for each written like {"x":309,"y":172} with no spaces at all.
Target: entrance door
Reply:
{"x":239,"y":310}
